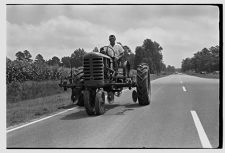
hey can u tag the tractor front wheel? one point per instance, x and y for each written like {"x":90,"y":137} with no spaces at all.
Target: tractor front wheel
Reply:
{"x":89,"y":101}
{"x":100,"y":102}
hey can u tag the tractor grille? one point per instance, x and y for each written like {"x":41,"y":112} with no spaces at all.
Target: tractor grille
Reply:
{"x":93,"y":69}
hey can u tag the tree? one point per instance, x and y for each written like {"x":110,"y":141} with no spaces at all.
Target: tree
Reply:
{"x":215,"y":58}
{"x":157,"y":58}
{"x":77,"y":57}
{"x":9,"y":70}
{"x":39,"y":58}
{"x":139,"y":55}
{"x":152,"y":52}
{"x":27,"y":55}
{"x":204,"y":60}
{"x":187,"y":64}
{"x":170,"y":69}
{"x":55,"y":61}
{"x":163,"y":67}
{"x":66,"y":61}
{"x":20,"y":56}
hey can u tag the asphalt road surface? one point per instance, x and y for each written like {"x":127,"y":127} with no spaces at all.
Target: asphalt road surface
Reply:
{"x":184,"y":113}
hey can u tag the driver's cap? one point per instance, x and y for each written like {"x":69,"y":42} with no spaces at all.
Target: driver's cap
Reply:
{"x":112,"y":36}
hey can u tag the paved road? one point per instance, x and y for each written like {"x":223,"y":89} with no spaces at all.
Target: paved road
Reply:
{"x":184,"y":113}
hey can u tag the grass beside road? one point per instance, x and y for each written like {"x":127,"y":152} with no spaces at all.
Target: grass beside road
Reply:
{"x":25,"y":110}
{"x":208,"y":75}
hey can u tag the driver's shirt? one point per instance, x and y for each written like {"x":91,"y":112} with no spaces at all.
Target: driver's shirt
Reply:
{"x":118,"y":50}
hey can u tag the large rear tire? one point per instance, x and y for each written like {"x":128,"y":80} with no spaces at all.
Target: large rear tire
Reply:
{"x":100,"y":103}
{"x":89,"y":101}
{"x":143,"y":84}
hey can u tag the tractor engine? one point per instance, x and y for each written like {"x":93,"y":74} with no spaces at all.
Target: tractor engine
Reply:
{"x":96,"y":69}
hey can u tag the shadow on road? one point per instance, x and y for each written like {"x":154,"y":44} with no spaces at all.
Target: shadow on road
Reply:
{"x":67,"y":106}
{"x":127,"y":107}
{"x":82,"y":113}
{"x":74,"y":116}
{"x":136,"y":105}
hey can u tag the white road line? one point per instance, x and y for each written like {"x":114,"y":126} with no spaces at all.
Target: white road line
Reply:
{"x":201,"y":132}
{"x":19,"y":127}
{"x":184,"y":88}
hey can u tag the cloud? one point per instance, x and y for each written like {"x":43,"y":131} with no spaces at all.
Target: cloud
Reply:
{"x":57,"y":30}
{"x":110,"y":15}
{"x":179,"y":38}
{"x":60,"y":34}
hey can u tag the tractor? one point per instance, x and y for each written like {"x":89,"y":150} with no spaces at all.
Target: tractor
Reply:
{"x":100,"y":77}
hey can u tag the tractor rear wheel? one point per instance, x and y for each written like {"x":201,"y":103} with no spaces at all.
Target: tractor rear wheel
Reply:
{"x":89,"y":101}
{"x":100,"y":102}
{"x":143,"y":84}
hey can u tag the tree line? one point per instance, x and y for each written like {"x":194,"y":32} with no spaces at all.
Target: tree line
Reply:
{"x":206,"y":60}
{"x":23,"y":68}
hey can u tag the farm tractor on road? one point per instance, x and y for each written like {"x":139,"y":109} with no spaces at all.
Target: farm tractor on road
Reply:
{"x":100,"y":77}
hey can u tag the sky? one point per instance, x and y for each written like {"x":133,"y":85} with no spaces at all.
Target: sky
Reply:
{"x":57,"y":30}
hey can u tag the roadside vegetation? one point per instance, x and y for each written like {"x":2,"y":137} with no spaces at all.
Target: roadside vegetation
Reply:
{"x":204,"y":63}
{"x":214,"y":75}
{"x":26,"y":110}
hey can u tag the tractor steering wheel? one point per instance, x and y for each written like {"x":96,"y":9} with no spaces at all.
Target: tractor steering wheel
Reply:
{"x":107,"y":51}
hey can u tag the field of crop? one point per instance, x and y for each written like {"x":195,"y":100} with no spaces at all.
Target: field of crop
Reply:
{"x":31,"y":89}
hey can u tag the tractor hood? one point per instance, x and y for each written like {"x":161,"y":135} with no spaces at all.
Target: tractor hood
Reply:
{"x":95,"y":54}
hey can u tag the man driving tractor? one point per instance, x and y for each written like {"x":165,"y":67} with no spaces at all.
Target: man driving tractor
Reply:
{"x":116,"y":47}
{"x":114,"y":50}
